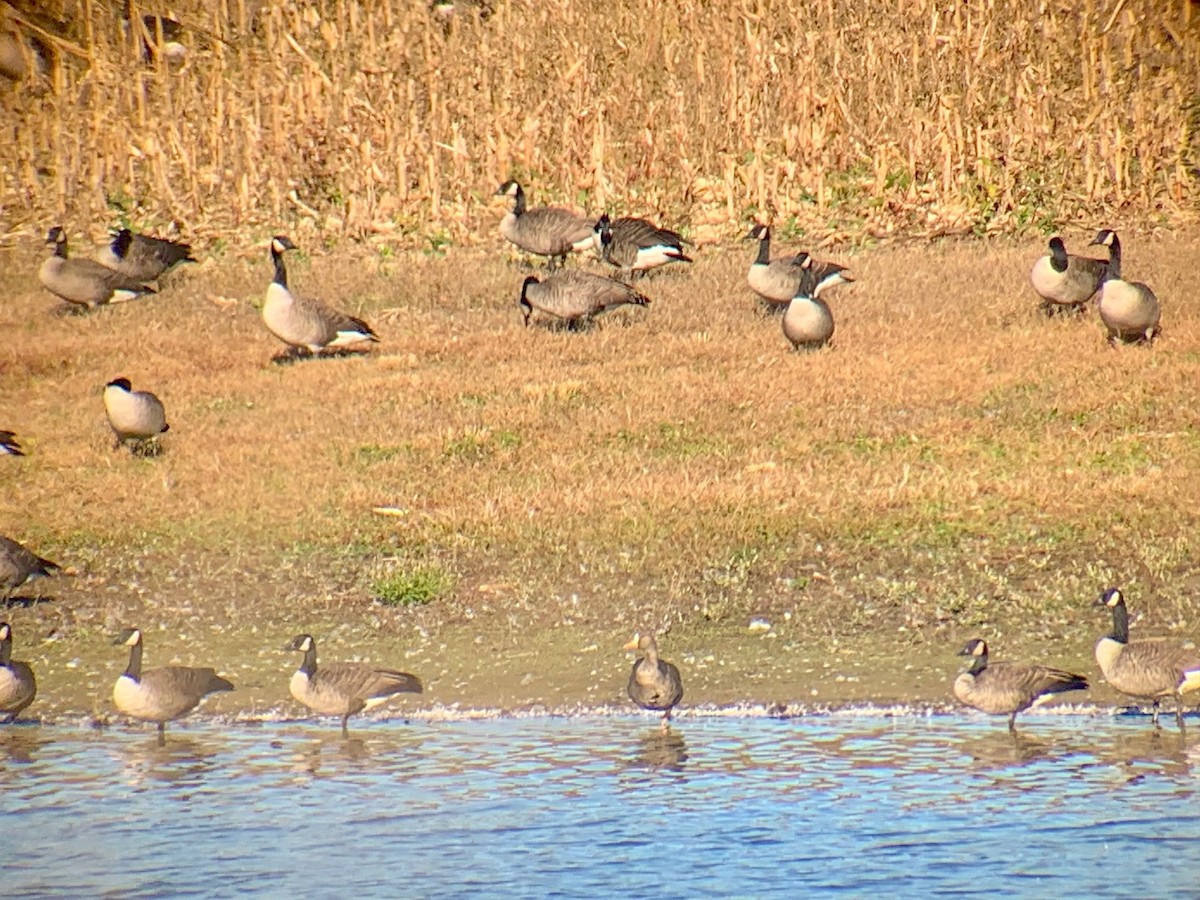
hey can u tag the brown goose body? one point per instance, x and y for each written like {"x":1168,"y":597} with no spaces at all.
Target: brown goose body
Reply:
{"x":19,"y":565}
{"x":636,"y":245}
{"x":304,"y":323}
{"x":576,"y":296}
{"x":18,"y":687}
{"x":545,"y":230}
{"x":1129,"y":309}
{"x":142,"y":257}
{"x":1004,"y":688}
{"x":163,"y":694}
{"x":654,"y":683}
{"x":343,"y":689}
{"x":1148,"y":668}
{"x":133,"y":415}
{"x":84,"y":282}
{"x":1066,"y":281}
{"x":778,"y":281}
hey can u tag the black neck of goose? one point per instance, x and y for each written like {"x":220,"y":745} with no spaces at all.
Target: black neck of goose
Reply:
{"x":1058,"y":258}
{"x":5,"y":651}
{"x":518,"y":202}
{"x":60,"y":248}
{"x":1120,"y":632}
{"x":309,"y":665}
{"x":134,"y":669}
{"x":978,"y":664}
{"x":1114,"y":264}
{"x":764,"y":249}
{"x":280,"y":271}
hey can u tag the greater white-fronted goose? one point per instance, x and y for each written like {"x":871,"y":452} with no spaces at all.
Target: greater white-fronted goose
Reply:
{"x":304,"y":323}
{"x":575,"y":297}
{"x":164,"y":694}
{"x":653,"y":683}
{"x":343,"y":689}
{"x":1149,"y":668}
{"x":545,"y":230}
{"x":84,"y":282}
{"x":1128,"y":309}
{"x":1004,"y":688}
{"x":18,"y":687}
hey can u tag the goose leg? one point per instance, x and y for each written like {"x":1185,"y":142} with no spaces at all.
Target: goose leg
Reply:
{"x":1012,"y":723}
{"x":345,"y":729}
{"x":162,"y":733}
{"x":1154,"y":715}
{"x":1179,"y":712}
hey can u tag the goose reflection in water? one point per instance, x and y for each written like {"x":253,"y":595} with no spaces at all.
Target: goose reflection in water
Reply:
{"x":1142,"y":752}
{"x":659,"y":749}
{"x":1004,"y":749}
{"x":330,"y":756}
{"x":180,"y":761}
{"x":20,"y":745}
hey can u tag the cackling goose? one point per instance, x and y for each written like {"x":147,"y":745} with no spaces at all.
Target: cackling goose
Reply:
{"x":1001,"y":688}
{"x":807,"y":320}
{"x":1066,"y":282}
{"x":135,"y":416}
{"x":778,"y":281}
{"x":18,"y":565}
{"x":545,"y":230}
{"x":18,"y":687}
{"x":84,"y":282}
{"x":141,"y":257}
{"x":575,"y":297}
{"x":636,"y":245}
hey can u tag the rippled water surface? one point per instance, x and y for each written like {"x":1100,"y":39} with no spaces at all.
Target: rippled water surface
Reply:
{"x":599,"y":807}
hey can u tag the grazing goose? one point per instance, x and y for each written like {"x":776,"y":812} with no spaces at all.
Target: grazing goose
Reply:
{"x":653,"y":683}
{"x":1066,"y":282}
{"x":18,"y":687}
{"x":302,"y":322}
{"x":141,"y":257}
{"x":1152,"y":668}
{"x":807,"y":320}
{"x":163,"y":694}
{"x":544,"y":231}
{"x":1128,"y":309}
{"x":18,"y":566}
{"x":1003,"y":687}
{"x":84,"y":282}
{"x":575,"y":297}
{"x":636,"y":245}
{"x":343,"y":689}
{"x":135,"y":416}
{"x":778,"y":281}
{"x":9,"y":446}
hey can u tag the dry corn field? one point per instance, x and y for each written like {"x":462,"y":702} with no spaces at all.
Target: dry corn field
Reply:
{"x":497,"y":508}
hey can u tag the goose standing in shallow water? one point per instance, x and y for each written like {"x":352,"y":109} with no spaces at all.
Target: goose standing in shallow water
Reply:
{"x":18,"y":687}
{"x":84,"y":282}
{"x":545,"y":230}
{"x":1001,"y":688}
{"x":163,"y":694}
{"x":343,"y":689}
{"x":1066,"y":282}
{"x":1151,"y":668}
{"x":653,"y":683}
{"x":305,"y":324}
{"x":575,"y":297}
{"x":19,"y":565}
{"x":135,"y":416}
{"x":1128,"y":309}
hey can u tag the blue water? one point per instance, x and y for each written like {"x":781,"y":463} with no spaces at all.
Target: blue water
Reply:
{"x":602,"y":807}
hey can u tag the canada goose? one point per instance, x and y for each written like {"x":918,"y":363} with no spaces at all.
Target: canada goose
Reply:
{"x":575,"y":297}
{"x":1004,"y":687}
{"x":636,"y":245}
{"x":162,"y":34}
{"x":84,"y":281}
{"x":135,"y":416}
{"x":18,"y":687}
{"x":807,"y":320}
{"x":343,"y":689}
{"x":1128,"y":309}
{"x":163,"y":694}
{"x":1153,"y":668}
{"x":545,"y":230}
{"x":9,"y":446}
{"x":302,"y":322}
{"x":18,"y":566}
{"x":1064,"y":281}
{"x":653,"y":683}
{"x":141,"y":257}
{"x":778,"y":281}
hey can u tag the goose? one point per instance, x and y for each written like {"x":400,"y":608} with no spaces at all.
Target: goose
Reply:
{"x":636,"y":245}
{"x":141,"y":257}
{"x":807,"y":321}
{"x":1152,"y":668}
{"x":9,"y":445}
{"x":84,"y":282}
{"x":18,"y":687}
{"x":575,"y":296}
{"x":778,"y":281}
{"x":1128,"y":309}
{"x":135,"y":416}
{"x":545,"y":230}
{"x":162,"y":33}
{"x":305,"y":324}
{"x":1003,"y":687}
{"x":343,"y":689}
{"x":19,"y":565}
{"x":653,"y":683}
{"x":163,"y":694}
{"x":1066,"y":282}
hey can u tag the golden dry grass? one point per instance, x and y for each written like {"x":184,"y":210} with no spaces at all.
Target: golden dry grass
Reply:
{"x":373,"y":120}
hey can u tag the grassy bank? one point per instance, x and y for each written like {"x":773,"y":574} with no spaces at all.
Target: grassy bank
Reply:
{"x":503,"y":506}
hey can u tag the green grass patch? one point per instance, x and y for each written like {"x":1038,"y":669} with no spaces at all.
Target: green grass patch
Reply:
{"x":413,"y":587}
